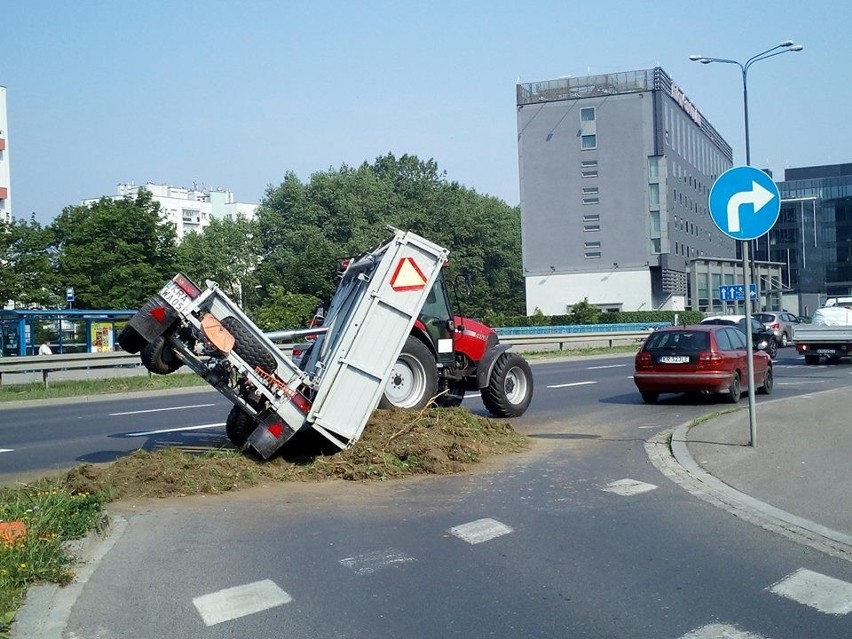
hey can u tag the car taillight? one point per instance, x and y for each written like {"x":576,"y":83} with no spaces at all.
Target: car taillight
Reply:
{"x":710,"y":359}
{"x":186,"y":285}
{"x":644,"y":359}
{"x":775,"y":326}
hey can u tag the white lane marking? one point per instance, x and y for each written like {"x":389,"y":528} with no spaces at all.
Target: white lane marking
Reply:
{"x":572,"y":384}
{"x":597,"y":368}
{"x":475,"y":532}
{"x":7,"y":450}
{"x":174,"y":430}
{"x":628,"y":487}
{"x":720,"y":631}
{"x":826,"y":594}
{"x":371,"y":562}
{"x":232,"y":603}
{"x":158,"y":410}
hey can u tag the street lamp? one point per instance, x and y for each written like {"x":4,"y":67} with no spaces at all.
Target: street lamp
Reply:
{"x":785,"y":47}
{"x":788,"y":46}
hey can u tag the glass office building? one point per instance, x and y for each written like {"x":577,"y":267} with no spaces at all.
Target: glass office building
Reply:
{"x":812,"y":238}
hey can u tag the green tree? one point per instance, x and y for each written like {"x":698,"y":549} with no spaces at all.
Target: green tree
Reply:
{"x":305,"y":228}
{"x":584,"y":313}
{"x":226,"y":252}
{"x":282,"y":310}
{"x":27,"y":265}
{"x":114,"y":253}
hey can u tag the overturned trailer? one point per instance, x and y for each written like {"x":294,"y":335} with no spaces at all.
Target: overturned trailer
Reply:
{"x":369,"y":319}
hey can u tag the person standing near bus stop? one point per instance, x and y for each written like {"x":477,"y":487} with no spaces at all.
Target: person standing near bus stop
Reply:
{"x":45,"y":349}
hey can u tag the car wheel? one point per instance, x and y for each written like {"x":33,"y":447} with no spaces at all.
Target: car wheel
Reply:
{"x":768,"y":381}
{"x":773,"y":348}
{"x":734,"y":390}
{"x":649,"y":398}
{"x":785,"y":341}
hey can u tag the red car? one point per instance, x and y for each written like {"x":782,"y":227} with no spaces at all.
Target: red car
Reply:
{"x":706,"y":359}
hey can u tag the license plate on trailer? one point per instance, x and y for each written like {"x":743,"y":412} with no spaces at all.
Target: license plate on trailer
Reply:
{"x":175,"y":296}
{"x":674,"y":359}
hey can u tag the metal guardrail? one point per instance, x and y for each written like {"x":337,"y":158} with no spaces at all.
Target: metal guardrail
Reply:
{"x":533,"y":337}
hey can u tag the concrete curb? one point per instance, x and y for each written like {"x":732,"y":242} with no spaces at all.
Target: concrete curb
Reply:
{"x":47,"y":608}
{"x":674,"y":460}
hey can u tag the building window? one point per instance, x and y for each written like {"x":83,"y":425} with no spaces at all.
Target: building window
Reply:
{"x":591,"y":217}
{"x":654,"y":167}
{"x":655,"y":223}
{"x":587,"y":114}
{"x":592,"y":245}
{"x":589,"y":141}
{"x":593,"y":255}
{"x":654,"y":195}
{"x":591,"y":227}
{"x":590,"y":190}
{"x":655,"y":245}
{"x":589,"y":168}
{"x":591,"y":200}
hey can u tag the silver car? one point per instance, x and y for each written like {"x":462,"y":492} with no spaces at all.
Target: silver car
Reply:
{"x":781,"y":324}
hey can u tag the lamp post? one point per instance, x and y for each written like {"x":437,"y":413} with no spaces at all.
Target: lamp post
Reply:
{"x":785,"y":47}
{"x":788,"y":46}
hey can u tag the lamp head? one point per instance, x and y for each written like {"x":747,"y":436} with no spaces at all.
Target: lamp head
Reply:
{"x":695,"y":58}
{"x":797,"y":47}
{"x":786,"y":43}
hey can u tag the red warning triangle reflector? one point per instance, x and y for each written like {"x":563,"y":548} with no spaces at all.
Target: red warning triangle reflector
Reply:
{"x":408,"y":276}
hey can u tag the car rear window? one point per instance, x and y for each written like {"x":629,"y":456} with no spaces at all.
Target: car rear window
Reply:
{"x":764,"y":317}
{"x":678,"y":341}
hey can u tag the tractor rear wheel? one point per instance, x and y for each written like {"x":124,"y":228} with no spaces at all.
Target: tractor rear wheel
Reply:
{"x":413,"y":380}
{"x":510,"y":387}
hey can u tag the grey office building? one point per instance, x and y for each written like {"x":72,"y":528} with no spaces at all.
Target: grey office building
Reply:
{"x":615,"y":172}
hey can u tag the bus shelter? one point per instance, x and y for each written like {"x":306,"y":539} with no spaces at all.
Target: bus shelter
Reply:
{"x":67,"y":331}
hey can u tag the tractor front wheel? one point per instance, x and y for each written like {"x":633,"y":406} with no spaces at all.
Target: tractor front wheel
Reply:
{"x":510,"y":386}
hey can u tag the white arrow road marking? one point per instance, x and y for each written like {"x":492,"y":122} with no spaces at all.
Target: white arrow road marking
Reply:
{"x":596,"y":368}
{"x":232,"y":603}
{"x":174,"y":430}
{"x":157,"y":410}
{"x":758,"y":196}
{"x":826,"y":594}
{"x":572,"y":384}
{"x":475,"y":532}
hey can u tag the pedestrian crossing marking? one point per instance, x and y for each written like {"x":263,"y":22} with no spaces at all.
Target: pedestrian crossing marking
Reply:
{"x":720,"y":631}
{"x":371,"y":562}
{"x":826,"y":594}
{"x":628,"y":487}
{"x":476,"y":532}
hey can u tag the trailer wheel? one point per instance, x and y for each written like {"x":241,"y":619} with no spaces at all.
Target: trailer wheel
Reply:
{"x":130,"y":340}
{"x":159,"y":357}
{"x":252,"y":351}
{"x":239,"y":426}
{"x":510,"y":388}
{"x":413,"y":380}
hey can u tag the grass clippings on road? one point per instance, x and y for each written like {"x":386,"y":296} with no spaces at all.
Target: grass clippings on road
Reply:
{"x":395,"y":443}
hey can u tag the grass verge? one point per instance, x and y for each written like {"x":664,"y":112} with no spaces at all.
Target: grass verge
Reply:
{"x":395,"y":443}
{"x":76,"y":388}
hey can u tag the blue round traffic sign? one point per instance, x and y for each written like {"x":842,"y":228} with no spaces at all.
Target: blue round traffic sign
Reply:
{"x":744,"y":203}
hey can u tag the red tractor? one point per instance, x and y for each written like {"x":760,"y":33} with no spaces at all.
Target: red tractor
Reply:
{"x":446,"y":355}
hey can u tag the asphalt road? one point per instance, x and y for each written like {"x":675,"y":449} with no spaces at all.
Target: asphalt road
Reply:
{"x":579,"y":537}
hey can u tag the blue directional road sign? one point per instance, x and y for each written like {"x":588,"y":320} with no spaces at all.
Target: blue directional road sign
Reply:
{"x":735,"y":292}
{"x":744,"y":203}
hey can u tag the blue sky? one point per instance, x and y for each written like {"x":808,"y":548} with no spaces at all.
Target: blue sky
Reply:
{"x":235,"y":94}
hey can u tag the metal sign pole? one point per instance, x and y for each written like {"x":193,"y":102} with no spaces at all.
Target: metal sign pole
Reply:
{"x":752,"y":409}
